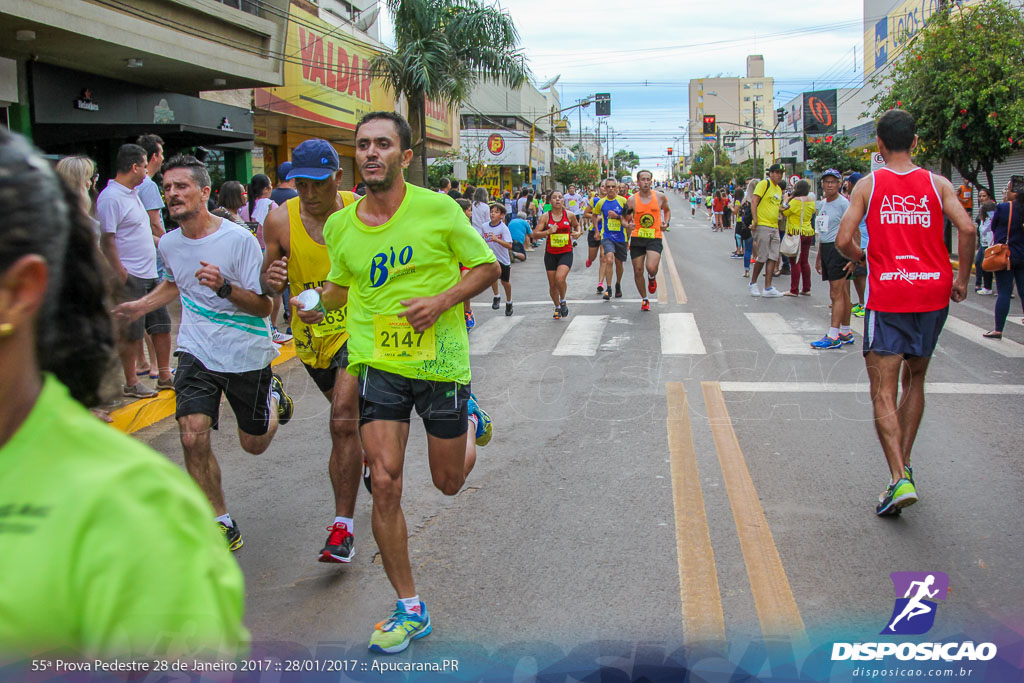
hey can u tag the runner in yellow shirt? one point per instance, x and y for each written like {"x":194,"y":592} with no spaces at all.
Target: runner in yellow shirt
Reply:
{"x":395,"y":258}
{"x":296,"y":255}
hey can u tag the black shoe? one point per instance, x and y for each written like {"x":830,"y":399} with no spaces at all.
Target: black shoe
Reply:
{"x":340,"y":546}
{"x":618,"y":291}
{"x":231,"y":534}
{"x":564,"y":310}
{"x":496,"y":304}
{"x":508,"y":308}
{"x":607,"y":295}
{"x":285,"y":406}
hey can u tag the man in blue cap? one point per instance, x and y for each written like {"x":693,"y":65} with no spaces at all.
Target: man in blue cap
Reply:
{"x":285,"y":189}
{"x":296,"y":256}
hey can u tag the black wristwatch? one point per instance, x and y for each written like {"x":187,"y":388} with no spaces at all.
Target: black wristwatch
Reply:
{"x":225,"y":290}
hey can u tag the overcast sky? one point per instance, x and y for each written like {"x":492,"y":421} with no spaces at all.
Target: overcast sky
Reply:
{"x":665,"y":43}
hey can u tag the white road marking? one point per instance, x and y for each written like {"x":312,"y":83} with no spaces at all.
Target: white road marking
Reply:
{"x":780,"y":334}
{"x":1004,"y":347}
{"x":858,"y":388}
{"x":485,"y":336}
{"x":582,"y":336}
{"x":679,"y":334}
{"x":572,"y":302}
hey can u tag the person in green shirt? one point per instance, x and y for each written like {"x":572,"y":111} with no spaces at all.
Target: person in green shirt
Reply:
{"x":106,"y":549}
{"x":395,"y":258}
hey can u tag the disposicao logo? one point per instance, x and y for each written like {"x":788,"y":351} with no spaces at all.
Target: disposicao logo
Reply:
{"x":914,"y":614}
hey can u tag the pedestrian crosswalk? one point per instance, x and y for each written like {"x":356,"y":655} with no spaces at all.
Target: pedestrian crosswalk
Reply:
{"x":680,"y":334}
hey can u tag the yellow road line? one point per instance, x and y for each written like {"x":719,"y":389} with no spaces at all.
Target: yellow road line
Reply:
{"x":148,"y":411}
{"x":662,"y":286}
{"x":677,"y":284}
{"x":703,"y":619}
{"x":776,"y":607}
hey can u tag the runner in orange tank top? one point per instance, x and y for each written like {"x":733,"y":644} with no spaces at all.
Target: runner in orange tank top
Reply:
{"x":646,"y":208}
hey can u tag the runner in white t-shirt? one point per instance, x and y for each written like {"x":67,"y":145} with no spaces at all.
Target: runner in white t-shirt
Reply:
{"x":224,"y":344}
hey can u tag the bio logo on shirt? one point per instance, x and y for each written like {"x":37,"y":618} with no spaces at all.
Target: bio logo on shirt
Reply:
{"x":646,"y":220}
{"x":383,"y":263}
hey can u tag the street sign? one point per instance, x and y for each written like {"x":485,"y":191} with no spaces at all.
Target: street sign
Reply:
{"x":709,"y":138}
{"x":793,"y":180}
{"x":810,"y":174}
{"x":877,"y":162}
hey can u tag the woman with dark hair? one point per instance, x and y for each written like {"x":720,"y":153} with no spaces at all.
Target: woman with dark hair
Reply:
{"x":983,"y":278}
{"x":77,"y":578}
{"x":231,"y":198}
{"x":1008,"y":228}
{"x":799,"y":212}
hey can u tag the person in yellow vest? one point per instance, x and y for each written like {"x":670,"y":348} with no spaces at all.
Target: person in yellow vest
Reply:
{"x":646,"y":208}
{"x":297,"y":256}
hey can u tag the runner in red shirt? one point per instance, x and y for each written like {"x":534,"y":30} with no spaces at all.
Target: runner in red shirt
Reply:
{"x":561,"y":229}
{"x":910,"y":284}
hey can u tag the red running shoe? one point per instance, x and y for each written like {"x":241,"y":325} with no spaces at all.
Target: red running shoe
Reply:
{"x":652,"y":284}
{"x":340,"y":546}
{"x":645,"y":305}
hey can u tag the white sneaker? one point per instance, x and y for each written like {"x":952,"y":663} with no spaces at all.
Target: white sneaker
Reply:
{"x":279,"y":337}
{"x":985,"y":292}
{"x":771,"y":293}
{"x":754,"y":289}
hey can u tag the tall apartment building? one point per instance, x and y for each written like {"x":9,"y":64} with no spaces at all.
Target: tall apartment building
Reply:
{"x":739,"y":105}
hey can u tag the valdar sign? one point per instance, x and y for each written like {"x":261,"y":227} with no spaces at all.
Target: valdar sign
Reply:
{"x":332,"y":66}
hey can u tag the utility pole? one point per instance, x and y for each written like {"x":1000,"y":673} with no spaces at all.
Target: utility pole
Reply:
{"x":753,"y":167}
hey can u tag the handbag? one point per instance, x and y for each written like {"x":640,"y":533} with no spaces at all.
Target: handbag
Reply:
{"x":790,"y":246}
{"x":997,"y":257}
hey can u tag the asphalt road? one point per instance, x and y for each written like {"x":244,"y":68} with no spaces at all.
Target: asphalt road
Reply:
{"x":671,"y":477}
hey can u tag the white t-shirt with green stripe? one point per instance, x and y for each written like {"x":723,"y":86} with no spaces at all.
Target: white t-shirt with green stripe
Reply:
{"x":213,"y":330}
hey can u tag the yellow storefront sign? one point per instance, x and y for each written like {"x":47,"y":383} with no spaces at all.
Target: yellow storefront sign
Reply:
{"x":327,"y":77}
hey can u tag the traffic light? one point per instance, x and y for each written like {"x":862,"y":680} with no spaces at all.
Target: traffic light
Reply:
{"x":780,"y":114}
{"x":670,"y":151}
{"x":709,"y":124}
{"x":603,"y":102}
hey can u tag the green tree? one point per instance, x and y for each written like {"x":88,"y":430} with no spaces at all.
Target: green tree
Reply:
{"x":442,"y":49}
{"x":836,"y":154}
{"x":442,"y":168}
{"x":624,"y":161}
{"x":961,"y":78}
{"x":578,"y":172}
{"x":704,"y":161}
{"x":745,"y":170}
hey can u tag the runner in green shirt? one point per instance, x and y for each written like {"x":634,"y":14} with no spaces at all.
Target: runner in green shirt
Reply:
{"x":106,"y":549}
{"x":395,"y":258}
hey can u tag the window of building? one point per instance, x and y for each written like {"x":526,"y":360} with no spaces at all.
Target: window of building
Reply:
{"x":244,"y":5}
{"x":747,"y":98}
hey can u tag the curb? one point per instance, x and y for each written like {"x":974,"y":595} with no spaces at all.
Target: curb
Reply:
{"x":148,"y":411}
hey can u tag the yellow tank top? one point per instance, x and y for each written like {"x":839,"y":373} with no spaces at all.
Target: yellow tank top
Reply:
{"x":308,"y":266}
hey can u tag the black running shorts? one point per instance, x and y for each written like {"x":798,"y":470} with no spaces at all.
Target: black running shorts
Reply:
{"x":552,"y":261}
{"x":441,"y":405}
{"x":197,"y":391}
{"x":639,"y":246}
{"x":324,"y":378}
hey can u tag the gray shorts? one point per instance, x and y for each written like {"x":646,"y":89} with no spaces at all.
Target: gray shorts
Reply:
{"x":154,"y":322}
{"x":768,"y":241}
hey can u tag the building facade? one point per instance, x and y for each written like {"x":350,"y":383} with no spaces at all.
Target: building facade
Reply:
{"x":739,"y":105}
{"x":85,"y":77}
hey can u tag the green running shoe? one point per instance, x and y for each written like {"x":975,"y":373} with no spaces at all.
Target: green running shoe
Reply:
{"x":857,"y":310}
{"x":393,"y":635}
{"x":231,"y":534}
{"x":908,"y":472}
{"x":895,"y":497}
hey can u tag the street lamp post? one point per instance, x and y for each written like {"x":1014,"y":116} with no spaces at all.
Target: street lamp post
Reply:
{"x":533,"y":131}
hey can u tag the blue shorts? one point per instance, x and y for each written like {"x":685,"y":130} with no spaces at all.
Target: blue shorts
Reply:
{"x":903,"y":334}
{"x":619,"y":248}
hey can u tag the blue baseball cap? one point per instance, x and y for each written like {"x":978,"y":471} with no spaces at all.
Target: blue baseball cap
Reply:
{"x":834,"y":173}
{"x":283,"y":170}
{"x":314,"y":159}
{"x":854,"y":177}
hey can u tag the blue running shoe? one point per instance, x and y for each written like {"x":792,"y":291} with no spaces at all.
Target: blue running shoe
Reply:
{"x":470,"y":321}
{"x":394,"y":633}
{"x":846,"y":338}
{"x":484,"y":429}
{"x":827,"y":342}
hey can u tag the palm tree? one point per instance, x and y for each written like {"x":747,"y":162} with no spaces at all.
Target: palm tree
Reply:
{"x":442,"y":48}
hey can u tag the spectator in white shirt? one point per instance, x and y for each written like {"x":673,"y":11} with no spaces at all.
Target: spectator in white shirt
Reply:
{"x":127,"y":241}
